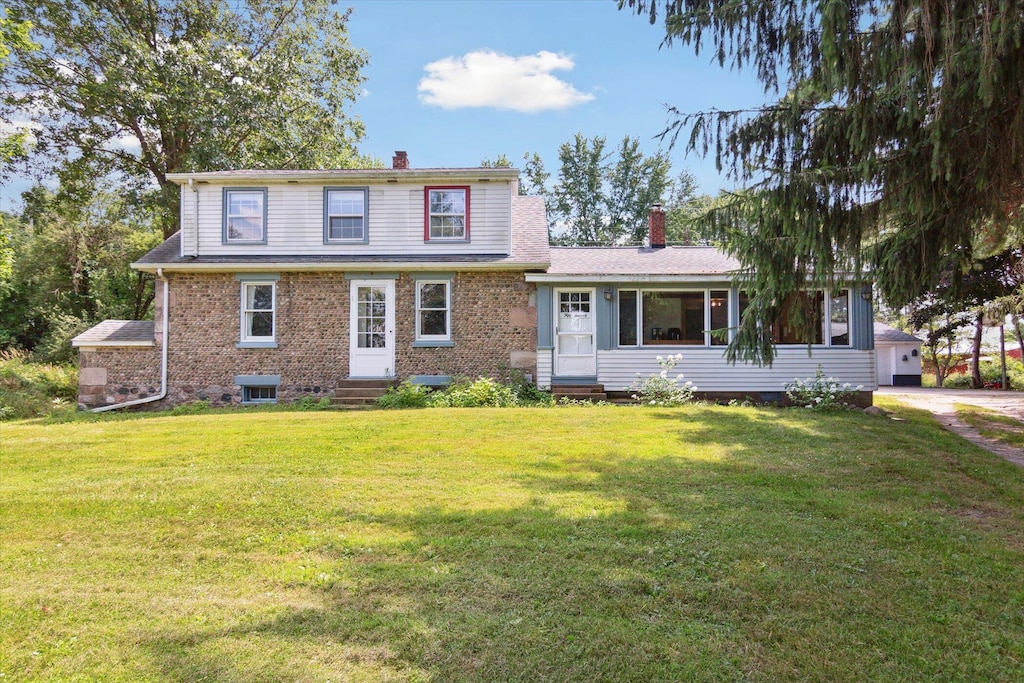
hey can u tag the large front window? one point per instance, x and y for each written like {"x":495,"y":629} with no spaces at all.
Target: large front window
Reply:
{"x":345,"y":215}
{"x":245,"y":215}
{"x":447,"y":213}
{"x":673,"y":318}
{"x":433,"y":307}
{"x":258,"y":311}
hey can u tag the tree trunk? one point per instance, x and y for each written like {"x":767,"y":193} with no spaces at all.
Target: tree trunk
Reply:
{"x":976,"y":382}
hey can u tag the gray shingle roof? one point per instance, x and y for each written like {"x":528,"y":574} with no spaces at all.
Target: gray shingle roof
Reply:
{"x":117,"y":333}
{"x":887,"y":333}
{"x":640,"y":261}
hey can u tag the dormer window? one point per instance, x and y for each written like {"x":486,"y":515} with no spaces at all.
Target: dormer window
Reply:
{"x":245,"y":215}
{"x":345,"y":211}
{"x":446,"y":214}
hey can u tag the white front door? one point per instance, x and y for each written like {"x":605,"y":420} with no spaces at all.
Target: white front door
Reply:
{"x":372,"y":329}
{"x":575,"y":350}
{"x":884,"y":358}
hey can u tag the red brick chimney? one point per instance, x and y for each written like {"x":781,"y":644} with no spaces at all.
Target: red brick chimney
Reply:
{"x":400,"y":160}
{"x":656,"y":229}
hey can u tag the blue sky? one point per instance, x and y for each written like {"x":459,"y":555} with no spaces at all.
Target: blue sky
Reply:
{"x":618,"y":83}
{"x":455,"y":81}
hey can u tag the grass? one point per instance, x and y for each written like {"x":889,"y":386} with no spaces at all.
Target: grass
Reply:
{"x":569,"y":544}
{"x":991,"y":424}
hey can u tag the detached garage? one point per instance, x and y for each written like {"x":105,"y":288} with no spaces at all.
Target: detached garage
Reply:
{"x":898,"y":357}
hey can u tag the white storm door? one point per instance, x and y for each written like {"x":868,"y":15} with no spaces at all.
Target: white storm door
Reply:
{"x":575,"y":350}
{"x":372,"y":329}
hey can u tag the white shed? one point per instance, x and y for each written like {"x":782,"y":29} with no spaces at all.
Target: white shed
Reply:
{"x":898,"y":357}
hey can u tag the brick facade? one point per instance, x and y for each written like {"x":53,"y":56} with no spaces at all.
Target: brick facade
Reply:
{"x":493,"y":318}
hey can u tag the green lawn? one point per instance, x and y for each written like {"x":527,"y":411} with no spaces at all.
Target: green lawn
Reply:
{"x":586,"y":544}
{"x":992,"y":424}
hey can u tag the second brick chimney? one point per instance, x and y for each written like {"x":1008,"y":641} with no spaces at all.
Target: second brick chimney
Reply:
{"x":400,"y":160}
{"x":656,"y":227}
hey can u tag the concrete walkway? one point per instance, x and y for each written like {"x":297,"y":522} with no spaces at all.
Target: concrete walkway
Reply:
{"x":940,"y":402}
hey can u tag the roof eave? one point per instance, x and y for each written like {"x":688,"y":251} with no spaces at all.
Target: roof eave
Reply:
{"x":315,"y":176}
{"x":335,"y":266}
{"x":629,"y":277}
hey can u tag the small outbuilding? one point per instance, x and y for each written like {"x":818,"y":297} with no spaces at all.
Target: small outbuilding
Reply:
{"x":898,"y":357}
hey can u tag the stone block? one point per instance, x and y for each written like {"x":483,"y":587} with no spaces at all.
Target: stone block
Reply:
{"x":523,"y":360}
{"x":522,"y":317}
{"x":92,"y":377}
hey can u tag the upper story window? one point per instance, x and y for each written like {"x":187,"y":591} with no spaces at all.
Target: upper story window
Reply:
{"x":345,"y":211}
{"x":245,"y":215}
{"x":446,"y":213}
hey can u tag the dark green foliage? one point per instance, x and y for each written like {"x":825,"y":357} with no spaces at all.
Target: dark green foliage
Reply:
{"x":895,"y":143}
{"x":405,"y":395}
{"x":67,"y":267}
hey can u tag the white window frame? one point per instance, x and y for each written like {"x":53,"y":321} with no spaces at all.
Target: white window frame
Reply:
{"x":428,"y":214}
{"x":447,"y":336}
{"x":262,"y":193}
{"x":364,"y":194}
{"x":245,"y":336}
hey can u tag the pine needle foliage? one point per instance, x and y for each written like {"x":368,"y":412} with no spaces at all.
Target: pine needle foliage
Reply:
{"x":895,"y":142}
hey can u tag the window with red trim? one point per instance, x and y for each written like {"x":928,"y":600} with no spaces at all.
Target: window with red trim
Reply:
{"x":446,"y":213}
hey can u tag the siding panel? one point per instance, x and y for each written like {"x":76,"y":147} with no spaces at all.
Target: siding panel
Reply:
{"x":707,"y":368}
{"x":295,"y":222}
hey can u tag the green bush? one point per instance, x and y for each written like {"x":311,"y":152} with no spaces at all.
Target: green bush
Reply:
{"x":405,"y":395}
{"x":30,"y":389}
{"x":957,"y":380}
{"x":484,"y":392}
{"x":311,"y":403}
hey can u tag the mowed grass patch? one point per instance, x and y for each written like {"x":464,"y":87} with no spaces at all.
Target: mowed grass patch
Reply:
{"x":697,"y":543}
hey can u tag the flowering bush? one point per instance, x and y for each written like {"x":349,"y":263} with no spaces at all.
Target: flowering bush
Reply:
{"x":820,"y":393}
{"x":661,"y":390}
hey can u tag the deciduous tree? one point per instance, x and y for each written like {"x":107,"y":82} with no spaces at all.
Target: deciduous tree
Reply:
{"x":144,"y":88}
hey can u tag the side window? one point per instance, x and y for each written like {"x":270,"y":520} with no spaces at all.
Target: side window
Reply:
{"x":719,"y":316}
{"x":259,"y":394}
{"x":627,"y":317}
{"x":258,"y":309}
{"x":345,"y":212}
{"x":446,"y":213}
{"x":839,"y":308}
{"x":245,"y":215}
{"x":433,"y":310}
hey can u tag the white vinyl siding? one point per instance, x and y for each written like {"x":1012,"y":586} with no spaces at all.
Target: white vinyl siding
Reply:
{"x":295,"y":222}
{"x":708,"y":369}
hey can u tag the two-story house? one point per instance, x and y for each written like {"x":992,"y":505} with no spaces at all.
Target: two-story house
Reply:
{"x":289,"y":283}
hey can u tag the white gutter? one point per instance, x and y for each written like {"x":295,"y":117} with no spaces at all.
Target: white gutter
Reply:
{"x":339,"y":266}
{"x":549,"y":277}
{"x":163,"y":358}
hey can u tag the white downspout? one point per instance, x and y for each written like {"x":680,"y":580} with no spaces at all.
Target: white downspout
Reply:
{"x":163,"y":357}
{"x":195,"y":248}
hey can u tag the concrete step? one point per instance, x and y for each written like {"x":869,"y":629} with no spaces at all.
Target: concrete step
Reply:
{"x":347,"y":392}
{"x":375,"y":383}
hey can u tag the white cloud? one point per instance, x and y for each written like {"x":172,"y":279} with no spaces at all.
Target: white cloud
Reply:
{"x":490,"y":79}
{"x":127,"y":142}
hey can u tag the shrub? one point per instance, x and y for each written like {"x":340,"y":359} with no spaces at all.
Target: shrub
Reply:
{"x":405,"y":395}
{"x":311,"y":403}
{"x":957,"y":380}
{"x":30,"y":389}
{"x":658,"y":389}
{"x":820,"y":392}
{"x":526,"y":391}
{"x":484,"y":392}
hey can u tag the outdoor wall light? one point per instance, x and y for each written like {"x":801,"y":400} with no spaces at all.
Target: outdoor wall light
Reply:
{"x":905,"y":359}
{"x":913,"y":353}
{"x":607,"y":293}
{"x":865,"y":292}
